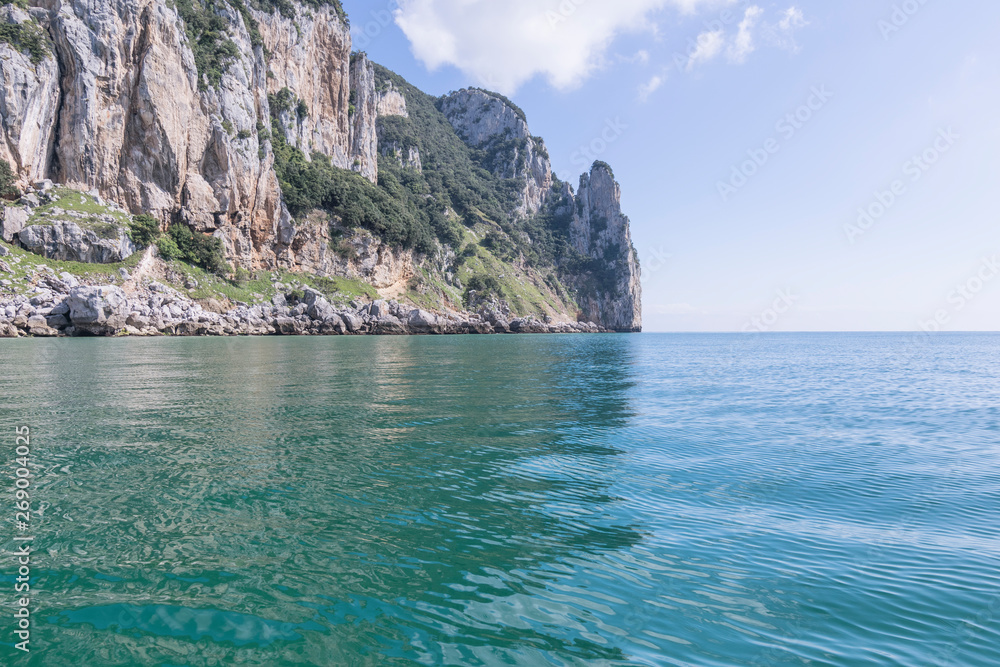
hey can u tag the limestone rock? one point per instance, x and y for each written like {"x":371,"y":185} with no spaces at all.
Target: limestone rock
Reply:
{"x":392,"y":102}
{"x":421,"y":321}
{"x":12,"y":221}
{"x":364,"y":137}
{"x":485,"y":121}
{"x":29,"y":103}
{"x":310,"y":56}
{"x":65,"y":240}
{"x":388,"y":325}
{"x":135,"y":127}
{"x":97,"y":310}
{"x":356,"y":254}
{"x":353,"y":323}
{"x":38,"y":326}
{"x":599,"y":230}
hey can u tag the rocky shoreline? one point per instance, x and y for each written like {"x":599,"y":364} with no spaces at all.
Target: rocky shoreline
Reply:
{"x":61,"y":306}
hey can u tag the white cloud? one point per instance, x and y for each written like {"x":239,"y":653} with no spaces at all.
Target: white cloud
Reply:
{"x":739,"y":46}
{"x":742,"y":46}
{"x":782,"y":33}
{"x":650,"y":87}
{"x":709,"y":46}
{"x":504,"y":43}
{"x":793,"y":19}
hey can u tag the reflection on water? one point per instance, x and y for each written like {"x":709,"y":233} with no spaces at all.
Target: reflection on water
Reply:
{"x":282,"y":500}
{"x":603,"y":500}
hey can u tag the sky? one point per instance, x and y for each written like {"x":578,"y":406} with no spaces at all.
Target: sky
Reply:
{"x":787,"y":166}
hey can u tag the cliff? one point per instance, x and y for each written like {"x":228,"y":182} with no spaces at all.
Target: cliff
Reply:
{"x":601,"y":232}
{"x":252,"y":123}
{"x":493,"y":125}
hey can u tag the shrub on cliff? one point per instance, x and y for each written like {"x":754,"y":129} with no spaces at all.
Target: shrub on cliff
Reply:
{"x":168,"y":248}
{"x":26,"y":37}
{"x":212,"y":48}
{"x":197,"y":249}
{"x":144,"y":229}
{"x":7,"y":179}
{"x":317,"y":184}
{"x":481,"y":288}
{"x":200,"y":250}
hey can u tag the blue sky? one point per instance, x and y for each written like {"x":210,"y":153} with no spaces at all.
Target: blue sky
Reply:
{"x":903,"y":95}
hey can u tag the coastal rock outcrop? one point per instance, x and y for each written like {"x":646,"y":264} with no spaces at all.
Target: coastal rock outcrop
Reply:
{"x":65,"y":240}
{"x":611,"y":296}
{"x":493,"y":124}
{"x":97,"y":310}
{"x":221,"y":117}
{"x":150,"y":308}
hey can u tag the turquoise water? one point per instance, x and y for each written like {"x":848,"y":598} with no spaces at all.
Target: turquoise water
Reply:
{"x":522,"y":500}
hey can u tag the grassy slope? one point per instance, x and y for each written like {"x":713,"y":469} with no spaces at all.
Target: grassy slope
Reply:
{"x":67,"y":199}
{"x":259,"y":288}
{"x":26,"y":265}
{"x":462,"y":202}
{"x":453,"y":177}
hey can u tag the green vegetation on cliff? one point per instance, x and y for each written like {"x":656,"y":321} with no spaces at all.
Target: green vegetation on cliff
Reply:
{"x":314,"y":183}
{"x":457,"y":177}
{"x":7,"y":179}
{"x":206,"y":31}
{"x":27,"y":38}
{"x":455,"y":198}
{"x":144,"y":230}
{"x":193,"y":248}
{"x":287,"y":9}
{"x":450,"y":176}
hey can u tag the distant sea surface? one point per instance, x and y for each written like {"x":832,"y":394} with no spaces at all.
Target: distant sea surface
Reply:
{"x":515,"y":500}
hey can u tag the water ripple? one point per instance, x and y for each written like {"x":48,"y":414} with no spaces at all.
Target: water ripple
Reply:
{"x":612,"y":500}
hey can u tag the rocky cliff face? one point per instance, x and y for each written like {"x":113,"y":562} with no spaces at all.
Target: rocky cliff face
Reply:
{"x":135,"y":126}
{"x":490,"y":123}
{"x":127,"y":114}
{"x":613,"y":295}
{"x":311,"y":58}
{"x":610,"y":297}
{"x":29,"y":102}
{"x":127,"y":100}
{"x":364,"y":143}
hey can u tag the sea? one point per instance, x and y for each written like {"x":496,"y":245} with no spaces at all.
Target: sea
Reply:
{"x":652,"y":499}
